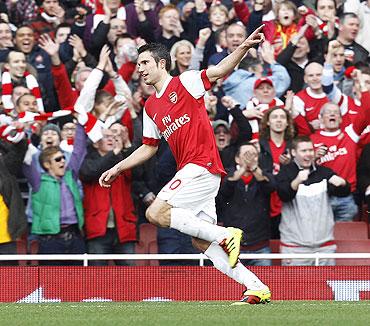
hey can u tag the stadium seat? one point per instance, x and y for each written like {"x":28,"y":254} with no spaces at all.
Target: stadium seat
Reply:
{"x":351,"y":230}
{"x":353,"y":246}
{"x":21,"y":245}
{"x":147,"y":244}
{"x":34,"y":250}
{"x":275,"y":249}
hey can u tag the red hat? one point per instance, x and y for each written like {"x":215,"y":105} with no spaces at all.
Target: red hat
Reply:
{"x":261,"y":80}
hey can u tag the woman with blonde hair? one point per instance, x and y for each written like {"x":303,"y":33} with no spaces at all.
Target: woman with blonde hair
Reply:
{"x":185,"y":57}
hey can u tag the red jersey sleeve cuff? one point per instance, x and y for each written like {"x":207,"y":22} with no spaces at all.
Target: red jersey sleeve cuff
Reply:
{"x":151,"y":141}
{"x":207,"y":84}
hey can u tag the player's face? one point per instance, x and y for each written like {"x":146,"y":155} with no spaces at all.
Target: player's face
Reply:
{"x":304,"y":154}
{"x":330,"y":117}
{"x":278,"y":121}
{"x":148,"y":68}
{"x":265,"y":93}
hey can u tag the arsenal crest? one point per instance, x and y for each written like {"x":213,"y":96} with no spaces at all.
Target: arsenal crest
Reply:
{"x":173,"y":97}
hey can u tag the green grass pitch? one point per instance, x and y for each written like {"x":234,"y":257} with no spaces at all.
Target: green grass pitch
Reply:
{"x":187,"y":313}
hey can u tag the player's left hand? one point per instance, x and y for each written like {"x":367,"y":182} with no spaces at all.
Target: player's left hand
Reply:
{"x":255,"y":38}
{"x":108,"y":177}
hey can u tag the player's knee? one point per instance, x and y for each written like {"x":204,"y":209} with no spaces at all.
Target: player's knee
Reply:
{"x":158,"y":215}
{"x":151,"y":215}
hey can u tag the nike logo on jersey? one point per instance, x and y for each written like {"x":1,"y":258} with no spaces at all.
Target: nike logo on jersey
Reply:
{"x":154,"y":116}
{"x":310,"y":109}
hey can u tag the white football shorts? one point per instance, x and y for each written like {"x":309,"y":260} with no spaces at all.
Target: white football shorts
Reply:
{"x":194,"y":188}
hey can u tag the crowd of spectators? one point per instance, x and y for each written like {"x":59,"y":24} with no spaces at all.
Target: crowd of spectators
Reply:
{"x":291,"y":123}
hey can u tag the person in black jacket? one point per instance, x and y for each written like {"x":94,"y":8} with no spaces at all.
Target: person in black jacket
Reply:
{"x":12,"y":211}
{"x":349,"y":26}
{"x":298,"y":54}
{"x":244,"y":202}
{"x":363,"y":175}
{"x":230,"y":137}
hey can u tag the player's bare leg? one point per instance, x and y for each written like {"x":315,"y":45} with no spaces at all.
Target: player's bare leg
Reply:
{"x":163,"y":214}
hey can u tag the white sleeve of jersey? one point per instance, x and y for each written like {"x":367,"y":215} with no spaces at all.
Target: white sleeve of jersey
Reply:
{"x":150,"y":129}
{"x":193,"y":83}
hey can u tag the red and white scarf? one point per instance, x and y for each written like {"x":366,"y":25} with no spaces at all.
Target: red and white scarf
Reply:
{"x":7,"y":90}
{"x":93,"y":127}
{"x":11,"y":134}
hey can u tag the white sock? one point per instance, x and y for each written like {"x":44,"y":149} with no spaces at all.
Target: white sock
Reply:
{"x":239,"y":273}
{"x":186,"y":222}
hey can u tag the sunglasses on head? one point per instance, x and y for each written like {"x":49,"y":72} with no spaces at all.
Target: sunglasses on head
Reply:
{"x":59,"y":158}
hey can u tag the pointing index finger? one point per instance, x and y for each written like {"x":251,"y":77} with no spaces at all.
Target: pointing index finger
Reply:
{"x":258,"y":29}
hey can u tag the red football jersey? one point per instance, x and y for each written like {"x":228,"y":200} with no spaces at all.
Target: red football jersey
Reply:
{"x":308,"y":104}
{"x":178,"y":114}
{"x":341,"y":154}
{"x":275,"y":201}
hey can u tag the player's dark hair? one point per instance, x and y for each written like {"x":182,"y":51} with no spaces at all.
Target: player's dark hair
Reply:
{"x":300,"y":139}
{"x":158,"y":52}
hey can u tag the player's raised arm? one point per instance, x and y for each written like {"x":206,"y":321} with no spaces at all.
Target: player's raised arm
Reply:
{"x":226,"y":65}
{"x":138,"y":157}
